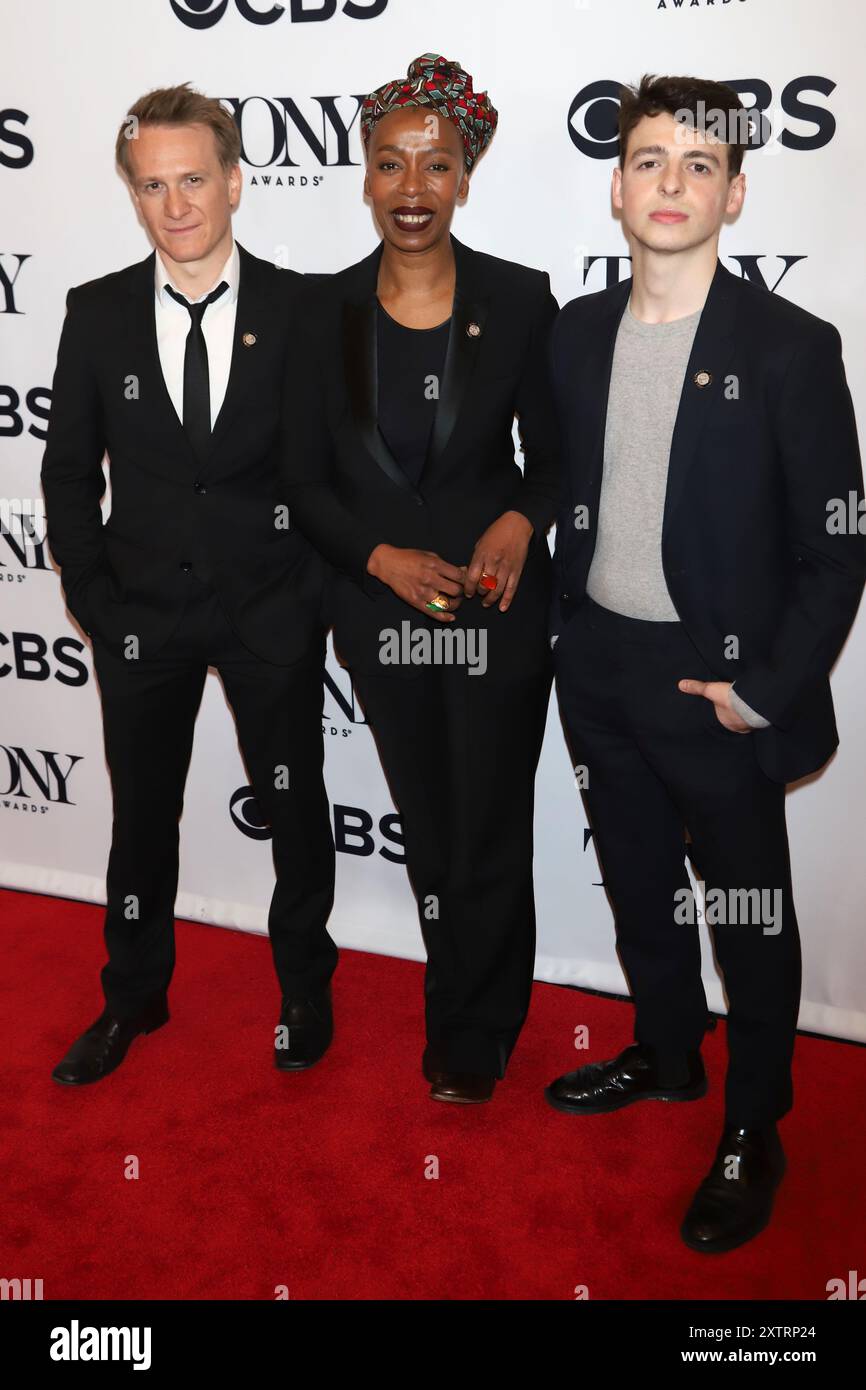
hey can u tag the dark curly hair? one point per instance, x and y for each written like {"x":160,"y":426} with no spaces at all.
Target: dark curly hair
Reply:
{"x":694,"y":95}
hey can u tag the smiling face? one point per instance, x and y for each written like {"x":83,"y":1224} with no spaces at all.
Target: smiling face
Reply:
{"x":415,"y":176}
{"x":673,"y":190}
{"x":183,"y":193}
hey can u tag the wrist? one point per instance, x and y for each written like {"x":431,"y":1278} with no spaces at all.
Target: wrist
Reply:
{"x":526,"y":524}
{"x":375,"y":559}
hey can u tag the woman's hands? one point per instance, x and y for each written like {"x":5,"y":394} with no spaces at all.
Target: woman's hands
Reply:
{"x":417,"y":576}
{"x":500,"y":552}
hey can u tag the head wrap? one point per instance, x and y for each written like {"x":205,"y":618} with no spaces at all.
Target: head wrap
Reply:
{"x":434,"y":81}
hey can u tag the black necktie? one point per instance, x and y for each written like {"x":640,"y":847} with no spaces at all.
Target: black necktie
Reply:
{"x":196,"y":379}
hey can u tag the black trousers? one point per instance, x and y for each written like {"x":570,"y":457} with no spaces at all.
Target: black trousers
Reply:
{"x":659,"y":762}
{"x":460,"y":754}
{"x":149,"y":709}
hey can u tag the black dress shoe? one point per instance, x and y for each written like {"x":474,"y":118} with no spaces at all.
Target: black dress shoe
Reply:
{"x":735,"y":1200}
{"x":310,"y":1028}
{"x":432,"y":1064}
{"x":462,"y":1087}
{"x":600,"y":1087}
{"x":105,"y":1044}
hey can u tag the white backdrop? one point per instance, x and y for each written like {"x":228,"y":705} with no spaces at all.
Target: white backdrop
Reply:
{"x":541,"y":196}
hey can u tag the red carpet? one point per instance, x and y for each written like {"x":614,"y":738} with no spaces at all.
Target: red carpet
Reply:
{"x":250,"y":1179}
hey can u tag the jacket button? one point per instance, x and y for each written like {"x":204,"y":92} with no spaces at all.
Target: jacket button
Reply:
{"x":198,"y":487}
{"x":186,"y":566}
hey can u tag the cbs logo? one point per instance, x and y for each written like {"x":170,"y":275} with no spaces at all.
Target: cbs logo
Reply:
{"x":204,"y":14}
{"x":593,"y":117}
{"x":355,"y":831}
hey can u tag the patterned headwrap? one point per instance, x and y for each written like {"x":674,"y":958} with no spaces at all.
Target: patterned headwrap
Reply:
{"x":434,"y":81}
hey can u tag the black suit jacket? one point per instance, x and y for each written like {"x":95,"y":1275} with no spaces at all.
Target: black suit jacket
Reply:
{"x":757,"y":454}
{"x":171,"y":511}
{"x":347,"y":492}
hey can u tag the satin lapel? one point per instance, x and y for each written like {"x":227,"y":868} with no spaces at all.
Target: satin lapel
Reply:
{"x":253,"y":322}
{"x":592,"y":376}
{"x":465,"y":339}
{"x":360,"y":365}
{"x":142,"y":334}
{"x":703,"y":383}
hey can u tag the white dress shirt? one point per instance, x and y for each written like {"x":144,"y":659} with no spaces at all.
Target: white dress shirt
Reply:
{"x":173,"y":323}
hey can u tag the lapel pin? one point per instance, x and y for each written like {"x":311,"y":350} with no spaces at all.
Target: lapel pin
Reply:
{"x":248,"y":339}
{"x":703,"y":378}
{"x":473,"y":330}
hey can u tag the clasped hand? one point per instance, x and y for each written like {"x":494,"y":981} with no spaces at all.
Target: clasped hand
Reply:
{"x":417,"y":576}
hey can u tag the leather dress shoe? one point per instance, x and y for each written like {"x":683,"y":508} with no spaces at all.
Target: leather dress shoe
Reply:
{"x":105,"y":1044}
{"x":601,"y":1087}
{"x":726,"y":1211}
{"x":310,"y":1027}
{"x":464,"y":1087}
{"x":432,"y":1064}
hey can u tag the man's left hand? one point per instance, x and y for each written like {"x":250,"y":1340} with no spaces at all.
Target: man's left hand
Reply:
{"x":718,"y":692}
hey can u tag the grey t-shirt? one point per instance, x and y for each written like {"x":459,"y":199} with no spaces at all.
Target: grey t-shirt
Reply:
{"x":646,"y":381}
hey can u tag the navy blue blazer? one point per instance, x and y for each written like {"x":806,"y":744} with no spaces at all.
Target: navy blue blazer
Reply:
{"x":760,"y":453}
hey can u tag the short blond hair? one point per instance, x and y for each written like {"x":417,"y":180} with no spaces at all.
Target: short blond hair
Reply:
{"x":181,"y":105}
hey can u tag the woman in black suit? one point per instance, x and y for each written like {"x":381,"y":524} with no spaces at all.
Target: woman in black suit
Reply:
{"x":400,"y":468}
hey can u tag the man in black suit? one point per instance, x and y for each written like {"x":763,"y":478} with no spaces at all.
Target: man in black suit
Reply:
{"x":174,"y":366}
{"x":704,"y":591}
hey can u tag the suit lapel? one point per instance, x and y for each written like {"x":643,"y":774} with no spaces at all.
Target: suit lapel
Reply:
{"x":252,"y":337}
{"x":592,"y":375}
{"x":142,"y":333}
{"x":703,"y":383}
{"x":360,"y":364}
{"x":253,"y":319}
{"x":466,"y":335}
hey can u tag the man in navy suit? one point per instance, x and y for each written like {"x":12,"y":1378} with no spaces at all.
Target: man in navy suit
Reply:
{"x":705,"y":587}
